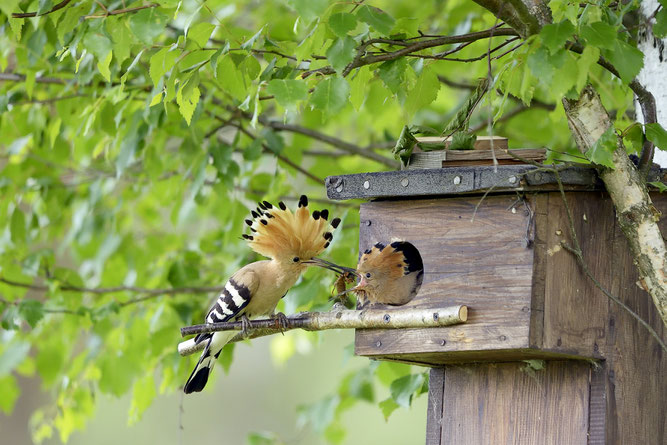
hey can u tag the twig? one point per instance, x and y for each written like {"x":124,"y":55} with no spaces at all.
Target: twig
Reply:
{"x":25,"y":15}
{"x":417,"y":46}
{"x":333,"y":141}
{"x":335,"y":319}
{"x":107,"y":13}
{"x":287,"y":161}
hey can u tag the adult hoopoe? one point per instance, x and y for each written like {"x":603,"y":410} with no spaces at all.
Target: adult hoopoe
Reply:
{"x":388,"y":274}
{"x":291,"y":241}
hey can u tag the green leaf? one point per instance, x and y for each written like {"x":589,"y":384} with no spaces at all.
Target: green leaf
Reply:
{"x":633,"y":136}
{"x":330,"y":95}
{"x":392,"y":73}
{"x":359,"y":86}
{"x":309,"y":9}
{"x":103,"y":66}
{"x":148,"y":24}
{"x":387,"y":407}
{"x":17,"y":226}
{"x":9,"y":394}
{"x":97,"y":43}
{"x":424,"y":92}
{"x":342,"y":23}
{"x":187,"y":102}
{"x":661,"y":186}
{"x":587,"y":60}
{"x":31,"y":311}
{"x":601,"y":152}
{"x":200,"y":33}
{"x":161,"y":62}
{"x":599,"y":34}
{"x":341,"y":52}
{"x":555,"y":35}
{"x":376,"y":18}
{"x":253,"y":151}
{"x":288,"y":92}
{"x":660,"y":27}
{"x":657,"y":134}
{"x":273,"y":140}
{"x":403,"y":388}
{"x":627,"y":59}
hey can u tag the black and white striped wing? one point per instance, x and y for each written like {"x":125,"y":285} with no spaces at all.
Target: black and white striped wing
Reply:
{"x":234,"y":298}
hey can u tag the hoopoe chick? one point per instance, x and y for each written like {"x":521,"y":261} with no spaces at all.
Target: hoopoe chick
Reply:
{"x":389,"y":274}
{"x":291,"y":240}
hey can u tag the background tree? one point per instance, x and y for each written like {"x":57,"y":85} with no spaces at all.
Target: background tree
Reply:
{"x":135,"y":135}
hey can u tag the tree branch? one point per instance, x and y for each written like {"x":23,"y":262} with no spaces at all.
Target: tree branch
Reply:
{"x":334,"y":319}
{"x":414,"y":47}
{"x":333,"y":141}
{"x":120,"y":11}
{"x":25,"y":15}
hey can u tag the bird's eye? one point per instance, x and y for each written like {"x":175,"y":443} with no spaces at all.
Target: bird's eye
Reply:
{"x":368,"y":274}
{"x":295,"y":259}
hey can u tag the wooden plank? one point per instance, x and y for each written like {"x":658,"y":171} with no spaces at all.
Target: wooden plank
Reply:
{"x":493,"y":277}
{"x":539,"y":203}
{"x":510,"y":404}
{"x":636,"y":378}
{"x":575,"y":311}
{"x":482,"y":142}
{"x":436,"y":388}
{"x":472,"y":158}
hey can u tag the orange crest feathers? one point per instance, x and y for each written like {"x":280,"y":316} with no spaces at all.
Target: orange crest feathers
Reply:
{"x":398,"y":259}
{"x":279,"y":232}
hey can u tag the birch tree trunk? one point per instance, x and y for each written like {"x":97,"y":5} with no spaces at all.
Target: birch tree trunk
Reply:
{"x":654,"y":71}
{"x":588,"y":120}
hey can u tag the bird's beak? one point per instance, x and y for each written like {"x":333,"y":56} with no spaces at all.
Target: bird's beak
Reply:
{"x":329,"y":265}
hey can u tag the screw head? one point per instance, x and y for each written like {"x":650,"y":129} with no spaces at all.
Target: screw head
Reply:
{"x":386,"y":318}
{"x":457,"y":180}
{"x":367,"y":185}
{"x":512,"y":179}
{"x":443,"y":342}
{"x":502,"y":338}
{"x":368,"y":222}
{"x":339,"y":188}
{"x":405,"y":182}
{"x":435,"y":316}
{"x":378,"y":343}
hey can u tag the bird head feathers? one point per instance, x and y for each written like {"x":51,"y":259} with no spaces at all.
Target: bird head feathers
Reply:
{"x":390,"y":274}
{"x":286,"y":236}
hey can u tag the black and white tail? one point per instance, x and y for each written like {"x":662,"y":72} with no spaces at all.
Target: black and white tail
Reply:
{"x":214,"y":344}
{"x":229,"y":305}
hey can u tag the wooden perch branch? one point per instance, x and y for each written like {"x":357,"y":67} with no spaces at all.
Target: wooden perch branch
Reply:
{"x":335,"y":319}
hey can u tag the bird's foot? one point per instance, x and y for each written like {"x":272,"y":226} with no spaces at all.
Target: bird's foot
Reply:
{"x":281,"y":320}
{"x":245,"y":325}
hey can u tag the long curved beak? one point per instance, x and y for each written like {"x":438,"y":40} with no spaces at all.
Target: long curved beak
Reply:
{"x":319,"y":262}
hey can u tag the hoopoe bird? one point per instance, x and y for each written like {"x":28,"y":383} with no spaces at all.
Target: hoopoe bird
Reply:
{"x":291,"y":241}
{"x":388,"y":274}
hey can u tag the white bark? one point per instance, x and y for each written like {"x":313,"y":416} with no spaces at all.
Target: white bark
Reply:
{"x":336,"y":319}
{"x":635,"y":213}
{"x":653,"y":75}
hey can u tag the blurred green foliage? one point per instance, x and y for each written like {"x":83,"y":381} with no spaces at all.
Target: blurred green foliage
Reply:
{"x":136,"y":135}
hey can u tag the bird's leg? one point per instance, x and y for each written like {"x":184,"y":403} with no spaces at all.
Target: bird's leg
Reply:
{"x":281,"y":320}
{"x":245,"y":325}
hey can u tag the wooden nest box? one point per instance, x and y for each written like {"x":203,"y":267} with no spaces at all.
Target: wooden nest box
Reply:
{"x":545,"y":357}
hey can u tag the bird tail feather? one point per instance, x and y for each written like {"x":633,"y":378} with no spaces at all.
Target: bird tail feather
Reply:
{"x":200,"y":374}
